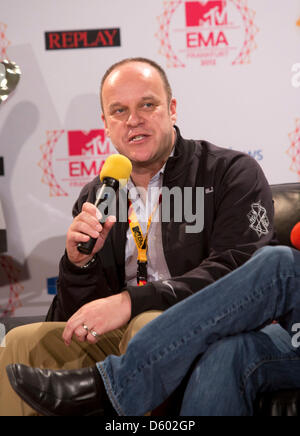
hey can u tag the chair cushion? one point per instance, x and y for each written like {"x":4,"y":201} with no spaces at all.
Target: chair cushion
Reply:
{"x":17,"y":321}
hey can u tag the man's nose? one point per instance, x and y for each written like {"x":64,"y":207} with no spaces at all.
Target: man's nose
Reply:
{"x":134,"y":119}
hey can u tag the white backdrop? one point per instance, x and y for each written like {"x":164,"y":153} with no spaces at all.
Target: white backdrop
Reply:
{"x":234,"y":66}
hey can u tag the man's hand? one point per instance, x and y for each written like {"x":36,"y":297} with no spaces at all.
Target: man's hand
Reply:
{"x":84,"y":226}
{"x":99,"y":316}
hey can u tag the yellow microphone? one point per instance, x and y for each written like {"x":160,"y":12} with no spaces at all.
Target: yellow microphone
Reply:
{"x":117,"y":167}
{"x":114,"y":175}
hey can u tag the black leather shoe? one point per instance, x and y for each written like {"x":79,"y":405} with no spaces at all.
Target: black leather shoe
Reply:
{"x":61,"y":393}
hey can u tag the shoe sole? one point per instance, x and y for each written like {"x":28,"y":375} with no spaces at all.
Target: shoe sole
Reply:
{"x":23,"y":395}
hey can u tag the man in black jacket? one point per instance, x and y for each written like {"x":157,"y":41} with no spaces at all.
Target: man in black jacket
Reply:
{"x":99,"y":302}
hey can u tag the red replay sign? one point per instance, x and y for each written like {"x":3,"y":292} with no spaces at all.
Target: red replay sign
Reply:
{"x":82,"y":39}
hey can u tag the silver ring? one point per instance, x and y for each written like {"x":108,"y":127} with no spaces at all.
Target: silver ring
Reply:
{"x":95,"y":334}
{"x":85,"y":327}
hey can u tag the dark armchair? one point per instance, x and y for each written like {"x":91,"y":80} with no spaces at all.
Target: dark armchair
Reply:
{"x":287,"y":214}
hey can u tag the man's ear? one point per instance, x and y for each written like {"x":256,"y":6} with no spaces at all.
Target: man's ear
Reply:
{"x":105,"y":125}
{"x":173,"y":110}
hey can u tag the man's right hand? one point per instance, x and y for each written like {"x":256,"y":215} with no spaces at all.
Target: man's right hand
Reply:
{"x":84,"y":226}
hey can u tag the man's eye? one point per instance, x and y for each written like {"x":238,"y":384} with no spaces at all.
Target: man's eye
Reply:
{"x":148,"y":105}
{"x":118,"y":111}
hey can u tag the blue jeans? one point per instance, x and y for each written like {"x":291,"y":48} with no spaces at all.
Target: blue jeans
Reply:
{"x":218,"y":334}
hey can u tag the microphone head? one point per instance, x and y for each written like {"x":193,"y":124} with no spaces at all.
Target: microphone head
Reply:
{"x":117,"y":167}
{"x":295,"y":236}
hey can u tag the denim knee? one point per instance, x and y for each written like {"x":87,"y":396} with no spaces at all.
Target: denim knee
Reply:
{"x":274,"y":253}
{"x":277,"y":256}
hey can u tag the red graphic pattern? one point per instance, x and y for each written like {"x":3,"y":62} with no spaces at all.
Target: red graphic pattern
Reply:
{"x":6,"y":263}
{"x":15,"y":288}
{"x":250,"y":32}
{"x":168,"y":52}
{"x":294,"y":149}
{"x":4,"y":43}
{"x":164,"y":34}
{"x":46,"y":163}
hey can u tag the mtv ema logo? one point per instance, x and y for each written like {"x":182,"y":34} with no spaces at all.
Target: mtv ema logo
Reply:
{"x":207,"y":31}
{"x":70,"y":159}
{"x":294,"y":149}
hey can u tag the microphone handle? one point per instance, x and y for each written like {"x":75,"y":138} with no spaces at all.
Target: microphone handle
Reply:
{"x":103,"y":201}
{"x":87,"y":247}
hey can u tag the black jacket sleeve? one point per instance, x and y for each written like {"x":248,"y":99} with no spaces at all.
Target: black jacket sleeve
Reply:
{"x":78,"y":286}
{"x":240,"y":222}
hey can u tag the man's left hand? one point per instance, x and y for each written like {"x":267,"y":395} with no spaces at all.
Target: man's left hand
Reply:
{"x":98,"y":317}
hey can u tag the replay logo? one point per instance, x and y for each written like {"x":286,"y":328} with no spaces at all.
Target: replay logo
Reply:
{"x":10,"y":75}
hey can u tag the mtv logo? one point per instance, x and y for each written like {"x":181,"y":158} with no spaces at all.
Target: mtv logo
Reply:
{"x":91,"y":143}
{"x":212,"y":12}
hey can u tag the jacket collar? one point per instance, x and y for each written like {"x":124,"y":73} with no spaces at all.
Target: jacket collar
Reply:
{"x":181,"y":159}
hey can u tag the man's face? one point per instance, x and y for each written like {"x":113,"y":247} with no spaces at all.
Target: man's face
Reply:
{"x":136,"y":113}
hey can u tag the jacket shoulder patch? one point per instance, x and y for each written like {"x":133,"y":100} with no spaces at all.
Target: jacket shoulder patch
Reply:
{"x":258,"y":218}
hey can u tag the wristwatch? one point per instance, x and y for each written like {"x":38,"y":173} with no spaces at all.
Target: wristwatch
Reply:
{"x":90,"y":262}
